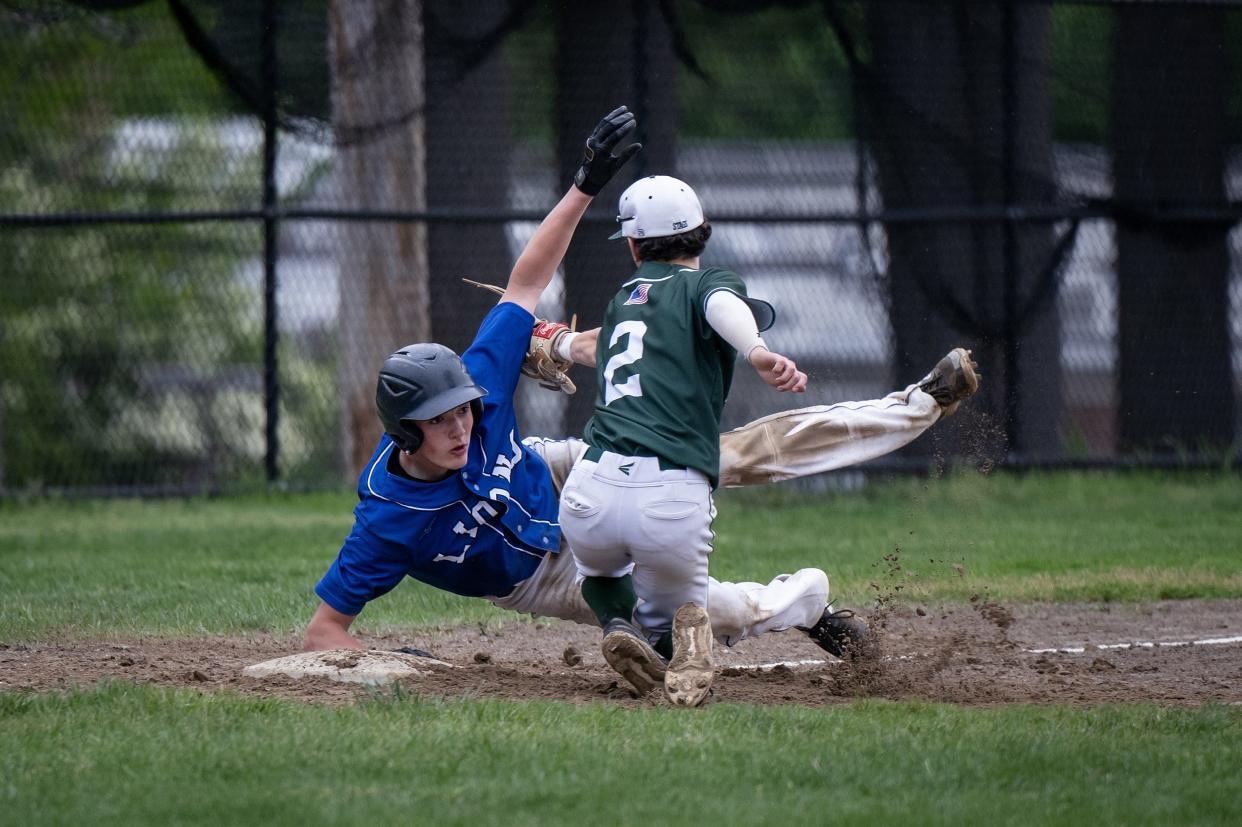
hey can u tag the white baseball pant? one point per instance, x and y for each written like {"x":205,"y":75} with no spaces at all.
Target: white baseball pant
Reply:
{"x":625,"y":514}
{"x":785,"y":445}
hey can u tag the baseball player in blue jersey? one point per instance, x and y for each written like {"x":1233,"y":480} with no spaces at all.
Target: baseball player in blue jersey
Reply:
{"x":453,"y":497}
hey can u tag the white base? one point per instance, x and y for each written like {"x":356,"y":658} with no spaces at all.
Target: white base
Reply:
{"x":366,"y":666}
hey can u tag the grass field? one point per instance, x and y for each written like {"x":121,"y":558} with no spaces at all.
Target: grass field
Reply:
{"x":141,"y":754}
{"x":157,"y":756}
{"x":231,"y":564}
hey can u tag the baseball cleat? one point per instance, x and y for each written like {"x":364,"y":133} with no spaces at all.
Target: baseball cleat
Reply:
{"x":631,"y":656}
{"x":954,"y":378}
{"x":841,"y":634}
{"x":688,"y":678}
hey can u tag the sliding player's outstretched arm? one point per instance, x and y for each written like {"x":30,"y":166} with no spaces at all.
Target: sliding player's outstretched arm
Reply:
{"x":806,"y":441}
{"x":606,"y":152}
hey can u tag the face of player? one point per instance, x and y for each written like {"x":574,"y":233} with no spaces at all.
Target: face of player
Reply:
{"x":446,"y":444}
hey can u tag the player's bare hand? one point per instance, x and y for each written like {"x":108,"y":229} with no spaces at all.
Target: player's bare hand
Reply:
{"x":778,"y":371}
{"x":795,"y":383}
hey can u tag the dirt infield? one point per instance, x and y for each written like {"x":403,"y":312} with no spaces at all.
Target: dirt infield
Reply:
{"x":979,"y":654}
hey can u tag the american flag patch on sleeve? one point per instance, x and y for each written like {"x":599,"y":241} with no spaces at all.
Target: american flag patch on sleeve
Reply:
{"x":639,"y":296}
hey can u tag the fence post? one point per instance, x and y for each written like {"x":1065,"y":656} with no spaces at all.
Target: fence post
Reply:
{"x":271,"y":233}
{"x":1011,"y":264}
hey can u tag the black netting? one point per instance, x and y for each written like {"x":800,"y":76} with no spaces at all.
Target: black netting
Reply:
{"x":219,"y":215}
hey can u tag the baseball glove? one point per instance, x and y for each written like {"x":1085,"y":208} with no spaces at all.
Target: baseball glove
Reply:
{"x":541,"y":362}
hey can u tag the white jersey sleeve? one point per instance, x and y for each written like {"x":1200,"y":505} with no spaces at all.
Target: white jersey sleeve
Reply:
{"x":729,"y":316}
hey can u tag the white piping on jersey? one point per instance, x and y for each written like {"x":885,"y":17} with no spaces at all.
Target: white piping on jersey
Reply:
{"x":506,"y":494}
{"x":817,"y":415}
{"x":529,"y":518}
{"x":716,"y":290}
{"x":679,"y":272}
{"x":508,"y":497}
{"x":383,"y":458}
{"x":482,"y":449}
{"x":380,"y":496}
{"x":505,"y":540}
{"x":657,"y":281}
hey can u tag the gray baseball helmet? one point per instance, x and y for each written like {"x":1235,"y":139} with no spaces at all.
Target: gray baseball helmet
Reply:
{"x":422,"y":381}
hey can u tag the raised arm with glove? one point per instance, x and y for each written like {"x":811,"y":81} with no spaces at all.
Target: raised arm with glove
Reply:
{"x":602,"y":158}
{"x":534,"y":268}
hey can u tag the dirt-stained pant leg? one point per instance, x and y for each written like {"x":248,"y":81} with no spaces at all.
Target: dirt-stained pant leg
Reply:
{"x":737,"y":610}
{"x":821,"y":438}
{"x":554,"y":590}
{"x":782,"y":446}
{"x":796,"y":443}
{"x":742,"y":610}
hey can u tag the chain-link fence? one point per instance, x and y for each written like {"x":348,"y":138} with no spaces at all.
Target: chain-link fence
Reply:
{"x":217,"y":216}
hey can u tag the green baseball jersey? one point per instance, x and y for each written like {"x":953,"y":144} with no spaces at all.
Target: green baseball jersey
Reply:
{"x":663,"y":374}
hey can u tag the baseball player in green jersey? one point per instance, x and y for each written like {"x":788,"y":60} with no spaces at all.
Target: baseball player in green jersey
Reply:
{"x":637,"y":509}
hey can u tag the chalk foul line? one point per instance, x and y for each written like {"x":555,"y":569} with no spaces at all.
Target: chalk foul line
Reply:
{"x":1056,"y":650}
{"x":1139,"y":644}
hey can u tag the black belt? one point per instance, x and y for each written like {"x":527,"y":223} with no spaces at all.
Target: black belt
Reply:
{"x":596,"y":454}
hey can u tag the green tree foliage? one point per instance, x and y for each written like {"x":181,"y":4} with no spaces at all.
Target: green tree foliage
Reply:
{"x":765,"y":72}
{"x":1081,"y":61}
{"x":113,"y":336}
{"x":768,"y":71}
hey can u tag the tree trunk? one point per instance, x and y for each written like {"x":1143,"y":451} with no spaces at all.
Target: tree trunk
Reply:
{"x":935,"y":103}
{"x":468,"y":162}
{"x":605,"y":59}
{"x":376,"y":53}
{"x":1169,"y":151}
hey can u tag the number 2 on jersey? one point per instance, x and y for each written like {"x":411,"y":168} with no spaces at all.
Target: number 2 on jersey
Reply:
{"x":634,"y":331}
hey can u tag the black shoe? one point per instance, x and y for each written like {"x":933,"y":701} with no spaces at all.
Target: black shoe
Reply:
{"x":841,"y":634}
{"x":954,"y":378}
{"x":629,"y":653}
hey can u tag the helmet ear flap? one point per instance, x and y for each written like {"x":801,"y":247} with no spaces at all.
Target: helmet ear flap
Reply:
{"x":393,"y":396}
{"x":410,"y":436}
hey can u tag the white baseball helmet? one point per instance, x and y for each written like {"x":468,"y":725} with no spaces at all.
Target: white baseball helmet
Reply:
{"x":657,"y":206}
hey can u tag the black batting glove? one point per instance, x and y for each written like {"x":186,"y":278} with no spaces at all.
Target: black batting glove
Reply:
{"x":601,"y":160}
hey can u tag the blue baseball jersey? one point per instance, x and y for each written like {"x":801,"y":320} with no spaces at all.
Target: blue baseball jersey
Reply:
{"x":478,"y":532}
